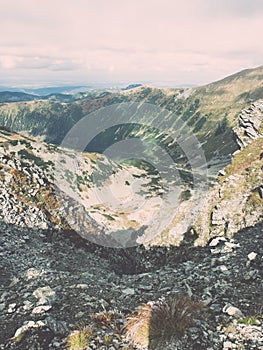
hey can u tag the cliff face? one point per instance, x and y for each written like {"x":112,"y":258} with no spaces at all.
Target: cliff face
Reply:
{"x":250,"y":125}
{"x":237,"y":200}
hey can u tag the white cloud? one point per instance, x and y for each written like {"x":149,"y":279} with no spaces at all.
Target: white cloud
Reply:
{"x":9,"y":62}
{"x":194,"y":41}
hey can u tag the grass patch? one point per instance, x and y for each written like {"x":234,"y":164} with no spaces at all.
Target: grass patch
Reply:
{"x":80,"y":340}
{"x":250,"y":320}
{"x":243,"y":161}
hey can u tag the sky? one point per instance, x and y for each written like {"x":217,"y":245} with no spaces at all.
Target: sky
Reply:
{"x":159,"y":42}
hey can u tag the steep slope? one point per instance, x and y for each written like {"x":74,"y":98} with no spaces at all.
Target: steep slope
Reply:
{"x":237,"y":200}
{"x":208,"y":111}
{"x":48,"y":186}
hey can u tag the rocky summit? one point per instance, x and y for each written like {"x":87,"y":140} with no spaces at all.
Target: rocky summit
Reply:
{"x":92,"y":254}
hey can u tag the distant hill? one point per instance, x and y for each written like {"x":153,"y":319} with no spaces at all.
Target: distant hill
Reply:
{"x":58,"y":90}
{"x":67,"y":89}
{"x":9,"y":96}
{"x":132,"y":86}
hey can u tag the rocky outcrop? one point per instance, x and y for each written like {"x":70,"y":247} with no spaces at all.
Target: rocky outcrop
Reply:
{"x":249,"y":125}
{"x":236,"y":201}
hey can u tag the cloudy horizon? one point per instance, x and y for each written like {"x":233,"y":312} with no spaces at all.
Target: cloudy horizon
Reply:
{"x":161,"y":42}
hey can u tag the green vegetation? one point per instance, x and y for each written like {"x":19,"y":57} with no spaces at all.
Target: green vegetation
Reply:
{"x":26,"y":155}
{"x":246,"y":162}
{"x":251,"y":320}
{"x":111,"y":218}
{"x":238,"y":189}
{"x":221,"y":126}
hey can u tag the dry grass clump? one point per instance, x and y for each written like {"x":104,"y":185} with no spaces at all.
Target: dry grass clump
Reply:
{"x":80,"y":339}
{"x":106,"y":320}
{"x":155,"y":324}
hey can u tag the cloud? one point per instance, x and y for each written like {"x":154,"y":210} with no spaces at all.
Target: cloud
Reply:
{"x":194,"y":41}
{"x":9,"y":62}
{"x":234,"y":8}
{"x":27,"y":62}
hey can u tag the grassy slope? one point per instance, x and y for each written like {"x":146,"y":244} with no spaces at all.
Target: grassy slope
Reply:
{"x":203,"y":109}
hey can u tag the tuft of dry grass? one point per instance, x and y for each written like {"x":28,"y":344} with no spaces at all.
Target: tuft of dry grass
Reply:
{"x":154,"y":324}
{"x":105,"y":319}
{"x":80,"y":339}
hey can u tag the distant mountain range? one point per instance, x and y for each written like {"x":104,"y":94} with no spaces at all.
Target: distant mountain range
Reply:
{"x":43,"y":91}
{"x":57,"y":90}
{"x":9,"y":96}
{"x":60,"y":93}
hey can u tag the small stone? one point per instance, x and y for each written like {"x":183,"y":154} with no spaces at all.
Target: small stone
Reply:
{"x":56,"y":344}
{"x":29,"y":324}
{"x":27,"y":305}
{"x":252,"y":256}
{"x":79,"y":314}
{"x":45,"y":294}
{"x":41,"y":309}
{"x":82,"y":286}
{"x":250,"y":275}
{"x":146,"y":288}
{"x":222,"y":172}
{"x":11,"y":308}
{"x":222,"y":268}
{"x":233,"y":311}
{"x":232,"y":245}
{"x":228,"y":345}
{"x":216,"y":241}
{"x":32,"y":273}
{"x":128,"y":291}
{"x":59,"y":327}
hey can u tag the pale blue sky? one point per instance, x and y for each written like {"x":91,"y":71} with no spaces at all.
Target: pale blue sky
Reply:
{"x":163,"y":42}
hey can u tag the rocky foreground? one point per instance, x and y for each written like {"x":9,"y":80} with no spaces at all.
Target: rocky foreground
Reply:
{"x":54,"y":283}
